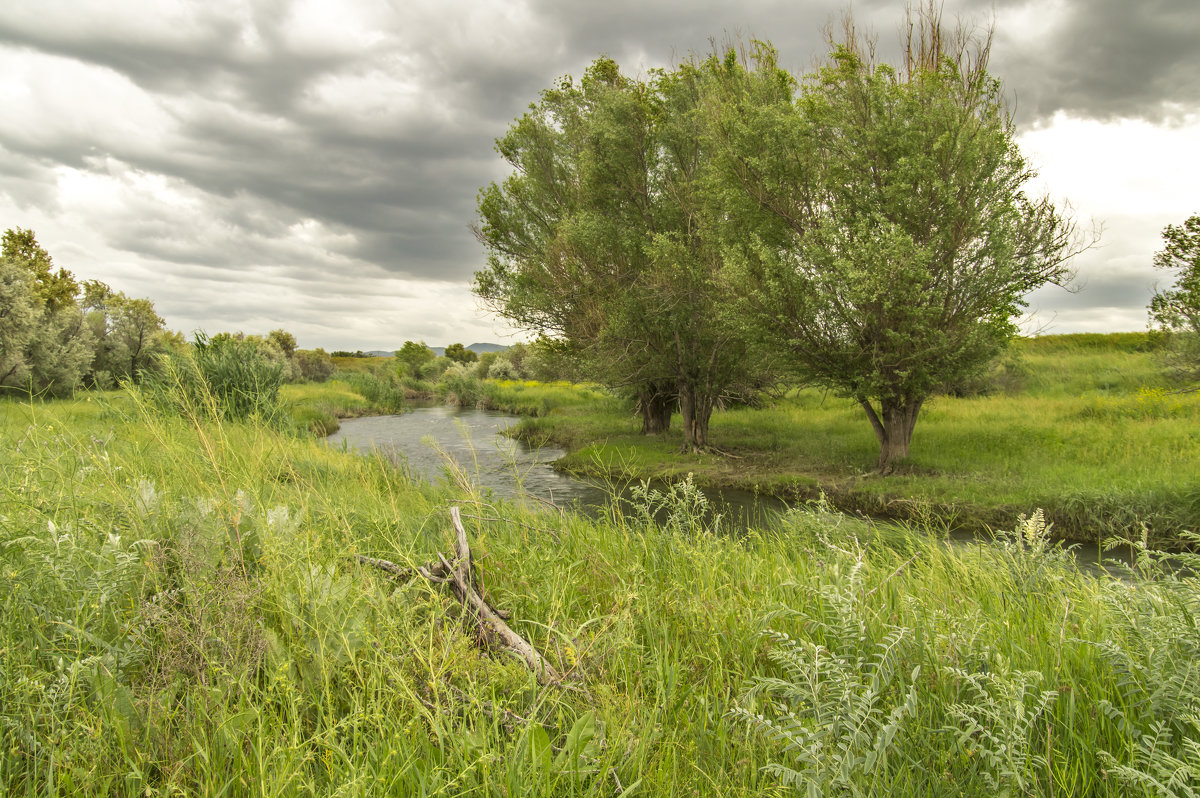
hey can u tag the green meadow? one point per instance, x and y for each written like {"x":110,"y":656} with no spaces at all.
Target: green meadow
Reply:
{"x":1082,"y":426}
{"x":182,"y":612}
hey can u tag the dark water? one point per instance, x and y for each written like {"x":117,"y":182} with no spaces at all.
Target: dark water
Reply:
{"x":426,"y":438}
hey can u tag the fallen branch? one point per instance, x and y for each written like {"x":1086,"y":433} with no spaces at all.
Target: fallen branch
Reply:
{"x":460,"y":577}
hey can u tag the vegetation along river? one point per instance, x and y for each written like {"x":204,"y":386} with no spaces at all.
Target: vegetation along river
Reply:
{"x":424,"y":438}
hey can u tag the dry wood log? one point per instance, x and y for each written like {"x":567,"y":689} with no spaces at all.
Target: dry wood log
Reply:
{"x":460,"y":577}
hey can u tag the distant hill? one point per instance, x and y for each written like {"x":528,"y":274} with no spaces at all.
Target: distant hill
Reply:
{"x":478,"y":349}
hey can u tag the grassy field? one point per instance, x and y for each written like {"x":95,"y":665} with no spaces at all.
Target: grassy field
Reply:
{"x":181,"y":615}
{"x":1082,"y":426}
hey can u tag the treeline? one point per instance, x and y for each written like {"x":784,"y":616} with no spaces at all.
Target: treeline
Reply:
{"x":696,"y":233}
{"x":58,"y":334}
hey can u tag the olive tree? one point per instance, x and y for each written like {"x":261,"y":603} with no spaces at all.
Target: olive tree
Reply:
{"x":881,"y":226}
{"x":1176,"y":310}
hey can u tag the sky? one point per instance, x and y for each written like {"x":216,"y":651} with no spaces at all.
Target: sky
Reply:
{"x":313,"y":165}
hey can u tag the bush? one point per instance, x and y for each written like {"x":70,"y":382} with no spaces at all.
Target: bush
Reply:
{"x":219,"y":377}
{"x":459,"y":386}
{"x":315,"y":365}
{"x":503,"y":369}
{"x":386,"y":392}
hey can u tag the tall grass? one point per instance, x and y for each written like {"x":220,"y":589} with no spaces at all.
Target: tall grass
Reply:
{"x":217,"y":378}
{"x":180,"y":614}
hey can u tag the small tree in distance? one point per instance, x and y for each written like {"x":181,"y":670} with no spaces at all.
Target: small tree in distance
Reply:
{"x":460,"y":354}
{"x":412,"y":356}
{"x":1177,"y":311}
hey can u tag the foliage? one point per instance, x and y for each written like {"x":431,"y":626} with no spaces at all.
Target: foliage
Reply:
{"x":45,"y":346}
{"x":178,"y":615}
{"x":1176,"y":311}
{"x":224,"y":377}
{"x":460,"y":354}
{"x":383,"y":390}
{"x":54,"y":290}
{"x":130,"y":336}
{"x":18,"y":321}
{"x":680,"y":508}
{"x":1092,"y":433}
{"x":600,"y":238}
{"x":839,"y":705}
{"x":315,"y":365}
{"x":284,"y":341}
{"x":411,"y":357}
{"x":890,"y":251}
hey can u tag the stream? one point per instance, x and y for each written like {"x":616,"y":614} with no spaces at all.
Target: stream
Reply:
{"x":425,"y":438}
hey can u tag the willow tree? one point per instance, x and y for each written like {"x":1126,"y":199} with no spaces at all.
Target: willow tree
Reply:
{"x":1176,"y":311}
{"x":600,"y":237}
{"x":884,"y":234}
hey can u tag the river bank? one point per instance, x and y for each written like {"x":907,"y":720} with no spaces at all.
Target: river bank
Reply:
{"x":1081,"y":427}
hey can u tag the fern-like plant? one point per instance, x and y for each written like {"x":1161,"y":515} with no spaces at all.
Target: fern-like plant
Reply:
{"x":839,"y":705}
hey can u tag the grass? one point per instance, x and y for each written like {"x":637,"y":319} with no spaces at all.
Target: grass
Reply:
{"x":181,"y":616}
{"x":316,"y":406}
{"x":1086,"y":430}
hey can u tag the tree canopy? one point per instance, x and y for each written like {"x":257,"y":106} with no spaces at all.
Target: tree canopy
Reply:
{"x":887,"y":242}
{"x":1176,"y":310}
{"x":600,"y":238}
{"x":869,"y":222}
{"x":56,"y":334}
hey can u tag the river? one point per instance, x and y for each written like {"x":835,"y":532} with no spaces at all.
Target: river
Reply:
{"x":425,"y":438}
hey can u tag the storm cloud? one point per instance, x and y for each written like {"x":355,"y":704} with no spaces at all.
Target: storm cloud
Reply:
{"x":312,"y":165}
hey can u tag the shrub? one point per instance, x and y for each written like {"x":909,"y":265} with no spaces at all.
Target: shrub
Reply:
{"x":220,"y":377}
{"x":459,"y":386}
{"x":315,"y":365}
{"x":503,"y":369}
{"x":386,"y":392}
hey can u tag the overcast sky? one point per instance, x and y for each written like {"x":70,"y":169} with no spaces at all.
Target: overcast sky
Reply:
{"x":314,"y":165}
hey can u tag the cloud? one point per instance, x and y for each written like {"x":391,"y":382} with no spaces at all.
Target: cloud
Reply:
{"x":315,"y":166}
{"x":1101,"y":59}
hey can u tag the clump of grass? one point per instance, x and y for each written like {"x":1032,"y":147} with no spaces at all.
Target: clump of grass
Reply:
{"x":217,"y":378}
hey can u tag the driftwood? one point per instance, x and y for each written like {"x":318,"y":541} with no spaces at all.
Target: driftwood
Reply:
{"x":459,"y":576}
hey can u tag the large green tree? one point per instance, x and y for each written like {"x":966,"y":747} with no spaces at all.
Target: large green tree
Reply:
{"x":1176,"y":310}
{"x":602,"y":237}
{"x":130,"y":335}
{"x":56,"y":289}
{"x":881,"y":224}
{"x":45,"y":344}
{"x":19,"y":314}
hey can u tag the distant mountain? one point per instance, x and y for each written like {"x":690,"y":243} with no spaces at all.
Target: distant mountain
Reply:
{"x":478,"y":349}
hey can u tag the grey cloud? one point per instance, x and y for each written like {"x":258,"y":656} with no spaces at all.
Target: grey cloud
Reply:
{"x":1104,"y":59}
{"x":259,"y":149}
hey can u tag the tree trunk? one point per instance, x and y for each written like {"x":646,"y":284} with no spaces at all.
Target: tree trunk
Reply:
{"x":893,"y":428}
{"x":655,"y":404}
{"x":695,"y":406}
